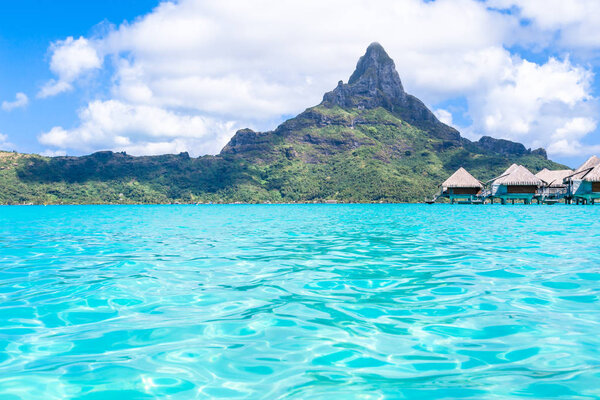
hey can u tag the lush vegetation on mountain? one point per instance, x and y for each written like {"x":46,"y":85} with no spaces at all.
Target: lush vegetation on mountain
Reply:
{"x":380,"y":159}
{"x":368,"y":141}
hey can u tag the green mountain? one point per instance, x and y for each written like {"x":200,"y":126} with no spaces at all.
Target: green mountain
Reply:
{"x":368,"y":141}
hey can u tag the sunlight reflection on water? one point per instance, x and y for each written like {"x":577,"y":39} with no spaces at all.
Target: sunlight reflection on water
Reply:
{"x":299,"y":301}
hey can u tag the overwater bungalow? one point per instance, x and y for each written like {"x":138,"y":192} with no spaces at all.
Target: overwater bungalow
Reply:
{"x":584,"y":185}
{"x":554,"y":187}
{"x":461,"y":186}
{"x":515,"y":184}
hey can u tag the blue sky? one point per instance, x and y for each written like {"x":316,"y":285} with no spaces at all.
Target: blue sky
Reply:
{"x":151,"y":77}
{"x":27,"y":28}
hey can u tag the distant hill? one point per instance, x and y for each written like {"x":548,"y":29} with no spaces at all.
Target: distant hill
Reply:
{"x":368,"y":141}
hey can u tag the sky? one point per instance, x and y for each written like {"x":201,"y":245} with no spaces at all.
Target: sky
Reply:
{"x":154,"y":77}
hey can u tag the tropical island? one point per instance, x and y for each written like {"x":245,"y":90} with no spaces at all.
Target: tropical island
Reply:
{"x":367,"y":141}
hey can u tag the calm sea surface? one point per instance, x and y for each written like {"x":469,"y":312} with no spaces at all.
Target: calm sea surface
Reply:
{"x":300,"y":302}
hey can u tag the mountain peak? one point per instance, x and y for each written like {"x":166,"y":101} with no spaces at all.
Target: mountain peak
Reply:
{"x":374,"y":83}
{"x":377,"y":63}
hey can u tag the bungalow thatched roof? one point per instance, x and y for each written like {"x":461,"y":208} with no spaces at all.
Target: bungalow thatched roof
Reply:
{"x":505,"y":173}
{"x":586,"y":167}
{"x":510,"y":169}
{"x":518,"y":175}
{"x":590,"y":163}
{"x":554,"y":178}
{"x":593,"y":175}
{"x":462,"y":179}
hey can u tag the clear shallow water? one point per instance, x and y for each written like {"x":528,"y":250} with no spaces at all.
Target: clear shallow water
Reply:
{"x":299,"y":302}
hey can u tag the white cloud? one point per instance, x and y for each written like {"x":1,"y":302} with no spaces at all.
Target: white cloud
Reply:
{"x":573,"y":148}
{"x":282,"y":59}
{"x":217,"y":62}
{"x":550,"y":14}
{"x":444,"y":115}
{"x":578,"y":21}
{"x":53,"y":87}
{"x":575,"y":128}
{"x":21,"y":100}
{"x":225,"y":61}
{"x":532,"y":103}
{"x":4,"y":143}
{"x":138,"y":129}
{"x":566,"y":140}
{"x":53,"y":153}
{"x":70,"y":59}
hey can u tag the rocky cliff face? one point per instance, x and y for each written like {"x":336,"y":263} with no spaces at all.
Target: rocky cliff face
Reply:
{"x":506,"y":147}
{"x":243,"y":140}
{"x":376,"y":83}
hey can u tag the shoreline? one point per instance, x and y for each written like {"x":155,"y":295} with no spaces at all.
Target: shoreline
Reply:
{"x":260,"y":204}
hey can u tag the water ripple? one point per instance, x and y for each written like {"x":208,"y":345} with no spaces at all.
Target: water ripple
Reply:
{"x":297,"y":302}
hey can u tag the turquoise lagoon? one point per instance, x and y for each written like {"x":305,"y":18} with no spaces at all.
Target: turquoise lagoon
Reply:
{"x":299,"y":302}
